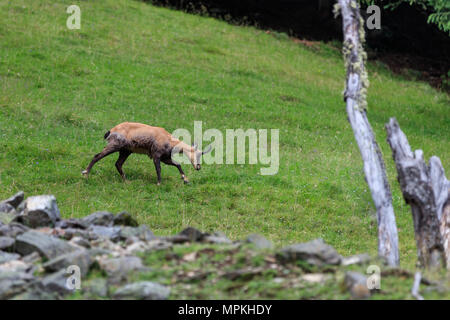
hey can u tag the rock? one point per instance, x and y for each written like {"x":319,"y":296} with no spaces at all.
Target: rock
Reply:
{"x":100,"y":218}
{"x":57,"y":283}
{"x":175,"y":239}
{"x":80,"y":258}
{"x":15,"y":200}
{"x":6,"y":243}
{"x":192,"y":234}
{"x":12,"y":230}
{"x":48,"y":246}
{"x":142,"y":291}
{"x":125,"y":219}
{"x":7,"y":208}
{"x":88,"y":235}
{"x":187,"y":235}
{"x":157,"y":244}
{"x":13,"y":283}
{"x":315,"y":252}
{"x":81,"y":242}
{"x":356,"y":259}
{"x":153,"y":245}
{"x":142,"y":232}
{"x":118,"y":268}
{"x":139,"y":246}
{"x":244,"y":274}
{"x":112,"y":233}
{"x":40,"y":211}
{"x":6,"y":256}
{"x":32,"y":258}
{"x":217,"y":238}
{"x":100,"y":253}
{"x":356,"y":283}
{"x":259,"y":241}
{"x":6,"y":217}
{"x":315,"y":277}
{"x":97,"y":287}
{"x":131,"y":240}
{"x":36,"y":292}
{"x":107,"y":246}
{"x":20,"y":207}
{"x":72,"y":223}
{"x":15,"y":266}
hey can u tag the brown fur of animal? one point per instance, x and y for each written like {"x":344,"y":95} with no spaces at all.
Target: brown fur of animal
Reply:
{"x":131,"y":137}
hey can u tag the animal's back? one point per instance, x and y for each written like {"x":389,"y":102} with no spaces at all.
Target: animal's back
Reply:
{"x":142,"y":138}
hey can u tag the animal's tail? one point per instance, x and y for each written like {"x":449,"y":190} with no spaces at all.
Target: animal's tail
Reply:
{"x":106,"y":135}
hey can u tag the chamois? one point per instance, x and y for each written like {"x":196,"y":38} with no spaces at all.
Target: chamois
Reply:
{"x":131,"y":137}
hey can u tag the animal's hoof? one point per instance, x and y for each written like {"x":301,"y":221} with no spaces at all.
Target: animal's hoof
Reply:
{"x":158,"y":184}
{"x":186,"y":181}
{"x":84,"y":173}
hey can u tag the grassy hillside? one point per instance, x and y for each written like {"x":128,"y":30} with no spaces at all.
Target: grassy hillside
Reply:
{"x":61,"y":90}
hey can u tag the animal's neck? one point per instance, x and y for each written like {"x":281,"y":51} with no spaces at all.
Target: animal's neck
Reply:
{"x":183,"y":147}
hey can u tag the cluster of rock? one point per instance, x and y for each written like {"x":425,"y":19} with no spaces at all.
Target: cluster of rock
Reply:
{"x":38,"y":249}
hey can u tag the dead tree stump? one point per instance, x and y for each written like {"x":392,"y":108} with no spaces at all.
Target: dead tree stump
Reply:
{"x":426,"y":189}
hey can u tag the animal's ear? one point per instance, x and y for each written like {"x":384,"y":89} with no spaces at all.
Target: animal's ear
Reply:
{"x":208,"y":149}
{"x":195,"y":146}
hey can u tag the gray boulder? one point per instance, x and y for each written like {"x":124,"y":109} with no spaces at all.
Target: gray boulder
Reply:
{"x":356,"y":259}
{"x":56,"y":282}
{"x":356,"y":283}
{"x":7,"y":208}
{"x":40,"y":211}
{"x":12,"y":229}
{"x":32,"y":258}
{"x":112,"y":233}
{"x":47,"y":246}
{"x":80,"y":258}
{"x":259,"y":241}
{"x":16,"y":266}
{"x":7,"y":217}
{"x":142,"y":233}
{"x":118,"y":269}
{"x":189,"y":234}
{"x":15,"y":200}
{"x":72,"y":223}
{"x":145,"y":290}
{"x":6,"y":257}
{"x":192,"y":234}
{"x":95,"y":288}
{"x":6,"y":243}
{"x":125,"y":219}
{"x":70,"y":233}
{"x":100,"y":218}
{"x":36,"y":292}
{"x":315,"y":252}
{"x":79,"y":241}
{"x":217,"y":238}
{"x":148,"y":246}
{"x":13,"y":283}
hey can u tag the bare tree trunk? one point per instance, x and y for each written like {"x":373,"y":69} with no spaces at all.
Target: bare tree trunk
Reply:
{"x":355,"y":98}
{"x":426,"y":189}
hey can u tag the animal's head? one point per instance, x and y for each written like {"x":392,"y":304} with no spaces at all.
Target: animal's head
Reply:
{"x":196,"y":155}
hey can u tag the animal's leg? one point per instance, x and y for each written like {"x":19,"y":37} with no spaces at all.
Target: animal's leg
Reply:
{"x":157,"y":162}
{"x":106,"y":152}
{"x":123,"y":155}
{"x":171,"y":162}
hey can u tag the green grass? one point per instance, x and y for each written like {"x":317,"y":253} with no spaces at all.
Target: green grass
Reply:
{"x":61,"y":90}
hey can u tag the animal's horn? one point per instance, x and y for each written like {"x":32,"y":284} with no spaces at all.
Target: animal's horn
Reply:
{"x":208,"y":149}
{"x":195,"y":145}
